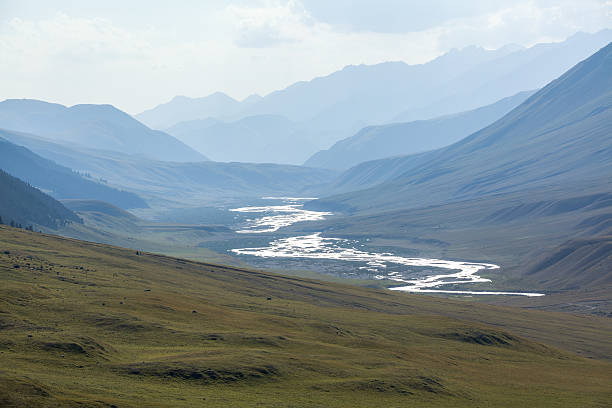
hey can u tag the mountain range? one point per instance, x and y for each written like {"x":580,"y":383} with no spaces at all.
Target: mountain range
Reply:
{"x":164,"y":183}
{"x":377,"y":142}
{"x":336,"y":106}
{"x":59,"y":181}
{"x":558,"y":136}
{"x":255,"y":139}
{"x":96,"y":126}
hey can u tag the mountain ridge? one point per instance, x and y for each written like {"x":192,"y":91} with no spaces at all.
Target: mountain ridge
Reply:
{"x":97,"y":126}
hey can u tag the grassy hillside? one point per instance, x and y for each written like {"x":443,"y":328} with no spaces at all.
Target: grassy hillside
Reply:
{"x":92,"y":325}
{"x":23,"y":204}
{"x":59,"y":181}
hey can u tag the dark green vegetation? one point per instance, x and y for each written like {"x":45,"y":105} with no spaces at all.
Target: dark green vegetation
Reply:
{"x":97,"y":126}
{"x":86,"y":324}
{"x":377,"y":142}
{"x":59,"y":181}
{"x":23,"y":204}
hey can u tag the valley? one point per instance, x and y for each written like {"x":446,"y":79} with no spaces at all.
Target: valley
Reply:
{"x":427,"y":234}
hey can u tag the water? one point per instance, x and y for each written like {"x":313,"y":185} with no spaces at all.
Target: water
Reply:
{"x":382,"y":265}
{"x":274,"y":217}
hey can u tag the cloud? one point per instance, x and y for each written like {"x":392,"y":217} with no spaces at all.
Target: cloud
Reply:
{"x":138,"y":60}
{"x":269,"y":25}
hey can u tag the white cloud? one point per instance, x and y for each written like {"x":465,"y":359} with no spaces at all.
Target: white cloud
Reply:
{"x":241,"y":47}
{"x":269,"y":25}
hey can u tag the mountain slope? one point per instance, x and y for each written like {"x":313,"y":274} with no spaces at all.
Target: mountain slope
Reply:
{"x":333,"y":107}
{"x":142,"y":329}
{"x":455,"y":82}
{"x":23,"y":204}
{"x":182,"y":108}
{"x":578,"y":263}
{"x":559,"y":136}
{"x":59,"y":181}
{"x":97,"y":126}
{"x":377,"y":142}
{"x":168,"y":182}
{"x":253,"y":139}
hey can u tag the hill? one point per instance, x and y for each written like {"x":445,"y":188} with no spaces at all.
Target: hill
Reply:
{"x":559,"y":136}
{"x":183,"y":108}
{"x":144,"y":329}
{"x":336,"y":106}
{"x":170,"y":183}
{"x":253,"y":139}
{"x":377,"y":142}
{"x":574,"y":264}
{"x":59,"y":181}
{"x":97,"y":126}
{"x":23,"y":204}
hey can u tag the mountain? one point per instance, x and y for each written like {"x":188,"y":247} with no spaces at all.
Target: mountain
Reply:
{"x":183,"y":108}
{"x":98,"y":126}
{"x":336,"y":106}
{"x":59,"y":181}
{"x":23,"y":204}
{"x":171,"y":183}
{"x":377,"y":142}
{"x":457,"y":81}
{"x":531,"y":68}
{"x":559,"y":136}
{"x":578,"y":263}
{"x":253,"y":139}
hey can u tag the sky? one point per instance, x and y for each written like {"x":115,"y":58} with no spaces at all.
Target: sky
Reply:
{"x":136,"y":54}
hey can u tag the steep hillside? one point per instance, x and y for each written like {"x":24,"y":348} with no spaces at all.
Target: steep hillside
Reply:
{"x":23,"y":204}
{"x":338,"y":105}
{"x":253,"y":139}
{"x":575,"y":264}
{"x":377,"y":142}
{"x":171,"y":183}
{"x":96,"y":126}
{"x":559,"y":136}
{"x":59,"y":181}
{"x":148,"y":330}
{"x":182,"y":108}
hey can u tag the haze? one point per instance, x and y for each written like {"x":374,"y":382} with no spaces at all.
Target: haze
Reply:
{"x":138,"y":54}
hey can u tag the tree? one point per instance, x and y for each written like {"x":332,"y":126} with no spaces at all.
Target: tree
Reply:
{"x":1,"y":223}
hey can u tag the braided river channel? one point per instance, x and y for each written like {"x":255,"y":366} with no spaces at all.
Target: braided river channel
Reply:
{"x":349,"y":258}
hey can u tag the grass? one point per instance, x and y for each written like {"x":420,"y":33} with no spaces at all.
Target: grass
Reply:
{"x":91,"y":325}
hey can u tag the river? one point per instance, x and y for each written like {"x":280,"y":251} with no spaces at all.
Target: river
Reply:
{"x":416,"y":275}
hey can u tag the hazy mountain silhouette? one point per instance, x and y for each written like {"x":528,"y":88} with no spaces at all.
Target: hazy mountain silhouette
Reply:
{"x":377,"y":142}
{"x":183,"y":108}
{"x":97,"y":126}
{"x":338,"y":105}
{"x":254,"y":139}
{"x":23,"y":204}
{"x":559,"y":136}
{"x":59,"y":181}
{"x":176,"y":182}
